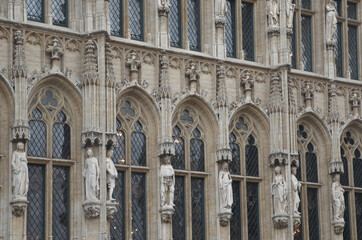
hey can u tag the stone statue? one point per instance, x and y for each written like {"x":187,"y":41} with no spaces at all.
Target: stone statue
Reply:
{"x":331,"y":21}
{"x":290,"y":13}
{"x":167,"y":177}
{"x":163,"y":3}
{"x":20,"y":176}
{"x":91,"y":175}
{"x":111,"y":175}
{"x":226,"y":190}
{"x":279,"y":192}
{"x":338,"y":199}
{"x":296,"y":187}
{"x":272,"y":13}
{"x":220,"y":8}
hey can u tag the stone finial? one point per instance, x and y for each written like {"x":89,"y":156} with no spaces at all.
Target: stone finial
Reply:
{"x":247,"y":82}
{"x":110,"y":77}
{"x":308,"y":93}
{"x":56,"y":52}
{"x":134,"y":63}
{"x":163,"y":8}
{"x":221,"y":95}
{"x":19,"y":68}
{"x":193,"y":73}
{"x":276,"y":97}
{"x":355,"y":100}
{"x":90,"y":74}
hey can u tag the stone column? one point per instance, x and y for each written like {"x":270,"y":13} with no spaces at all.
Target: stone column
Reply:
{"x":17,"y":10}
{"x":163,"y":11}
{"x":220,"y":37}
{"x":331,"y":27}
{"x":134,"y":63}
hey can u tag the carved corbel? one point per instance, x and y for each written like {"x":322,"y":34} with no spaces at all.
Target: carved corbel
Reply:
{"x":166,"y":148}
{"x":92,"y":138}
{"x":355,"y":100}
{"x":19,"y":207}
{"x":308,"y":93}
{"x":193,"y":74}
{"x":278,"y":159}
{"x":163,"y":8}
{"x":92,"y":209}
{"x":111,"y":209}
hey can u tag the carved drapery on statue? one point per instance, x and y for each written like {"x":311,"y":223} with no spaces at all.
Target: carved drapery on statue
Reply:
{"x":220,"y":8}
{"x":91,"y":175}
{"x":111,"y":175}
{"x":225,"y":185}
{"x":167,"y":177}
{"x":279,"y":192}
{"x":338,"y":204}
{"x":331,"y":22}
{"x":290,"y":13}
{"x":272,"y":8}
{"x":20,"y":176}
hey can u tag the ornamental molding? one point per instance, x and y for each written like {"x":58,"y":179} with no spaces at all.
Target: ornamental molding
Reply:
{"x":92,"y":209}
{"x":224,"y":218}
{"x":92,"y":138}
{"x":280,"y":221}
{"x":335,"y":166}
{"x":166,"y":148}
{"x":20,"y":133}
{"x":19,"y":206}
{"x":278,"y":158}
{"x":111,"y":209}
{"x":166,"y":213}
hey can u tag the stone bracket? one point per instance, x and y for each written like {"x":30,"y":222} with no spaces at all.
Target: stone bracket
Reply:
{"x":280,"y":221}
{"x":20,"y":133}
{"x":166,"y":213}
{"x":111,"y":209}
{"x":335,"y":167}
{"x":225,"y":217}
{"x":92,"y":209}
{"x":224,"y":154}
{"x":112,"y":138}
{"x":92,"y":137}
{"x":19,"y":206}
{"x":338,"y":226}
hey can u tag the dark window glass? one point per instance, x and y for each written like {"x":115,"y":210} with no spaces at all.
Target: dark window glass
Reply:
{"x":348,"y":139}
{"x":197,"y":153}
{"x":235,"y":149}
{"x":248,"y":30}
{"x":230,"y":29}
{"x":61,"y":137}
{"x":119,"y":153}
{"x":197,"y":211}
{"x":235,"y":221}
{"x":139,"y":206}
{"x":116,"y":17}
{"x":136,"y":19}
{"x":359,"y":214}
{"x":311,"y":164}
{"x":338,"y":51}
{"x":357,"y":168}
{"x":292,"y":46}
{"x":353,"y":51}
{"x":60,"y":204}
{"x":344,"y":176}
{"x":178,"y":218}
{"x":299,"y":169}
{"x":138,"y":146}
{"x":178,"y":161}
{"x":251,"y":157}
{"x":306,"y":4}
{"x":347,"y":227}
{"x":175,"y":23}
{"x":301,"y":133}
{"x":38,"y":134}
{"x":352,"y":10}
{"x":60,"y":12}
{"x":35,"y":10}
{"x":36,"y":197}
{"x":118,"y":221}
{"x":338,"y":6}
{"x":241,"y":125}
{"x":298,"y":230}
{"x":193,"y":24}
{"x":307,"y":42}
{"x":313,"y":222}
{"x":253,"y":210}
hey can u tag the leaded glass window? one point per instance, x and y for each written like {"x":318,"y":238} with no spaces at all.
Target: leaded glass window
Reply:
{"x":338,"y":51}
{"x":60,"y":12}
{"x":197,"y":211}
{"x":235,"y":149}
{"x":313,"y":222}
{"x":138,"y":146}
{"x":61,"y":137}
{"x":116,"y":17}
{"x":253,"y":210}
{"x":311,"y":164}
{"x":35,"y":10}
{"x":347,"y":226}
{"x":175,"y":23}
{"x":251,"y":157}
{"x":338,"y":6}
{"x":135,"y":8}
{"x":119,"y":153}
{"x":307,"y":42}
{"x":235,"y":221}
{"x":60,"y":210}
{"x":306,"y":4}
{"x":292,"y":46}
{"x":36,"y":199}
{"x":248,"y":30}
{"x":118,"y":222}
{"x":178,"y":218}
{"x":197,"y":153}
{"x":38,"y":143}
{"x":358,"y":199}
{"x":139,"y":206}
{"x":344,"y":176}
{"x":193,"y":24}
{"x":178,"y":161}
{"x":352,"y":10}
{"x":230,"y":32}
{"x":357,"y":168}
{"x":353,"y":51}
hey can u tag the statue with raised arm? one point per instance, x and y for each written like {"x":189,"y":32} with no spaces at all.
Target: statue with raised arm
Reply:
{"x":167,"y":178}
{"x":272,"y":7}
{"x":331,"y":21}
{"x":296,"y":187}
{"x":279,"y":192}
{"x":20,"y":175}
{"x":225,"y":186}
{"x":290,"y":13}
{"x":338,"y":199}
{"x":111,"y":175}
{"x":91,"y":175}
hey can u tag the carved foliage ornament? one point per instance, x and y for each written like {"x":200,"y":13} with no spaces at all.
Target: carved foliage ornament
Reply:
{"x":90,"y":67}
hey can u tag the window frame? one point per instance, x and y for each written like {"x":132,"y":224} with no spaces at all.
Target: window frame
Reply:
{"x":48,"y":13}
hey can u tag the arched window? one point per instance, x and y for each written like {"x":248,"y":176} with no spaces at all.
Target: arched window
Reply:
{"x":119,"y":153}
{"x":197,"y":156}
{"x":178,"y":161}
{"x":138,"y":145}
{"x":46,"y":154}
{"x":244,"y":170}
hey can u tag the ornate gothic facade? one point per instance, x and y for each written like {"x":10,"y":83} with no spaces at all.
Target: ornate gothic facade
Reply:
{"x":180,"y":119}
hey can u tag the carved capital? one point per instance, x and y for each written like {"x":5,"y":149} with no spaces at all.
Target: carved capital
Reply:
{"x":220,"y":22}
{"x":224,"y":218}
{"x":331,"y":44}
{"x":280,"y":221}
{"x":164,"y":10}
{"x":92,"y":209}
{"x":273,"y":31}
{"x":278,"y":158}
{"x":19,"y":206}
{"x":335,"y":167}
{"x":166,"y":213}
{"x":20,"y":133}
{"x":91,"y":137}
{"x":111,"y":209}
{"x":224,"y":154}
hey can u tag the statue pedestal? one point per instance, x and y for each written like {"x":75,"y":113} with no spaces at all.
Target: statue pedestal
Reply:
{"x":280,"y":221}
{"x":224,"y":217}
{"x":166,"y":221}
{"x":111,"y":209}
{"x":338,"y":226}
{"x":92,"y":208}
{"x":19,"y":206}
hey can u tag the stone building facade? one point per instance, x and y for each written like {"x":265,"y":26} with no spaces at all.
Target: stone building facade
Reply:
{"x":227,"y":119}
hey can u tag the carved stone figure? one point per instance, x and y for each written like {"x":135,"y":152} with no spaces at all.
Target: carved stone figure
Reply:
{"x":226,"y":191}
{"x":20,"y":176}
{"x":91,"y":175}
{"x":279,"y":192}
{"x":167,"y":177}
{"x":290,"y":13}
{"x":337,"y":199}
{"x":220,"y":8}
{"x":193,"y":74}
{"x":55,"y":51}
{"x":111,"y":175}
{"x":331,"y":21}
{"x":273,"y":13}
{"x":296,"y":187}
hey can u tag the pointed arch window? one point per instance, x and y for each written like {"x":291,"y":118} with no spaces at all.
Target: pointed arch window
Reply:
{"x":197,"y":152}
{"x":138,"y":145}
{"x":235,"y":149}
{"x":311,"y":164}
{"x":344,"y":177}
{"x":119,"y":153}
{"x":61,"y":137}
{"x":251,"y":157}
{"x":37,"y":145}
{"x":178,"y":161}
